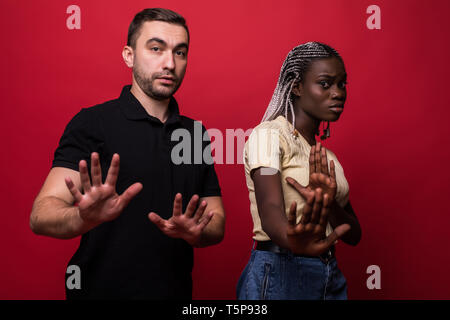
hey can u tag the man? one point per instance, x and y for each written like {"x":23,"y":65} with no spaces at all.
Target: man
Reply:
{"x":138,"y":226}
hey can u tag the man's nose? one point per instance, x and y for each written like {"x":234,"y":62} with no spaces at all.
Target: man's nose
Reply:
{"x":169,"y":61}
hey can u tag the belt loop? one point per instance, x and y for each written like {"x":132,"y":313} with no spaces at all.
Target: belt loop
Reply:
{"x":326,"y":257}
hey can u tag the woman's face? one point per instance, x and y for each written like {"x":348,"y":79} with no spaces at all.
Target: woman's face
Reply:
{"x":322,"y":93}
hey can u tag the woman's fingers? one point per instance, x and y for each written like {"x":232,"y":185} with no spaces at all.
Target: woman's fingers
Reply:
{"x":338,"y":232}
{"x":312,"y":163}
{"x":317,"y":157}
{"x":332,"y":171}
{"x":304,"y":192}
{"x":323,"y":221}
{"x":292,"y":216}
{"x":317,"y":206}
{"x":307,"y":210}
{"x":324,"y":162}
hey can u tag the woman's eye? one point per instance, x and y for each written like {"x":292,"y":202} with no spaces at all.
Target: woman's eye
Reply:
{"x":324,"y":84}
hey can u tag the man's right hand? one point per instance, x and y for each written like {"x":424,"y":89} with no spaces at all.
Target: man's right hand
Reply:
{"x":100,"y":202}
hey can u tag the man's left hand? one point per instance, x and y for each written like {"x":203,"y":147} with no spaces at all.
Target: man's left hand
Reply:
{"x":187,"y":226}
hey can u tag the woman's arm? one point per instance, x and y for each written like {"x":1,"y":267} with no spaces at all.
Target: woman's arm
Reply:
{"x":270,"y":203}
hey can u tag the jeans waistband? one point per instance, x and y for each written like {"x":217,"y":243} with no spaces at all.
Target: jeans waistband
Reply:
{"x":272,"y":247}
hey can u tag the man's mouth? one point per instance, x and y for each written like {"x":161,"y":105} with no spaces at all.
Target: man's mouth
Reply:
{"x":166,"y":79}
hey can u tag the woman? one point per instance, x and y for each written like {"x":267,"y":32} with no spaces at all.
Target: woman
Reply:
{"x":299,"y":200}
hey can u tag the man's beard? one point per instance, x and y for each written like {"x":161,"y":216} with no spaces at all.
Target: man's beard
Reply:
{"x":160,"y":92}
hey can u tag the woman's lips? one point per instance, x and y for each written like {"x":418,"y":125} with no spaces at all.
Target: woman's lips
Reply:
{"x":337,"y":109}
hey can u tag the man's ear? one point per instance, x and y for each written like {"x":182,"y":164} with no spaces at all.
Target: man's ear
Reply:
{"x":128,"y":56}
{"x":297,"y":89}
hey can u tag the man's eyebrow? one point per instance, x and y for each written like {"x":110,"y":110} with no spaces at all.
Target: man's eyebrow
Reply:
{"x":156,"y":40}
{"x":161,"y":41}
{"x":182,"y":45}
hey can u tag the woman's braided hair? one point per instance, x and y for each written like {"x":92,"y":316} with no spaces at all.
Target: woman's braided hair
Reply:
{"x":292,"y":72}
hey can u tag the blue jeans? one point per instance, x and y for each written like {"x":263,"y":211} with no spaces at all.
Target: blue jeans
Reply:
{"x":274,"y":276}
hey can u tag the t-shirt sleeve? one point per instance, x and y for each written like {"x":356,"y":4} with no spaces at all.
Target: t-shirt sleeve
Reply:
{"x":210,"y":186}
{"x":81,"y":137}
{"x":264,"y":147}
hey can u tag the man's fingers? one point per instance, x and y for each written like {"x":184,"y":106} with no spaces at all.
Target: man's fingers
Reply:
{"x":96,"y":171}
{"x":84,"y":176}
{"x":205,"y":220}
{"x":129,"y":194}
{"x":177,"y":205}
{"x":292,"y":216}
{"x":324,"y":162}
{"x":192,"y":205}
{"x":113,"y":171}
{"x":156,"y":219}
{"x":312,"y":163}
{"x":200,"y":210}
{"x":73,"y":190}
{"x":304,"y":192}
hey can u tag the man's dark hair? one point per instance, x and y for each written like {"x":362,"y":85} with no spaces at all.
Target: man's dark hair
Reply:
{"x":153,"y":14}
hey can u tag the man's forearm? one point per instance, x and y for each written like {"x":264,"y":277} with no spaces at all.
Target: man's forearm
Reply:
{"x":213,"y":232}
{"x":56,"y":218}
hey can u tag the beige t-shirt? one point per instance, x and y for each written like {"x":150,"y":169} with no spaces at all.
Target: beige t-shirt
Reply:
{"x":272,"y":145}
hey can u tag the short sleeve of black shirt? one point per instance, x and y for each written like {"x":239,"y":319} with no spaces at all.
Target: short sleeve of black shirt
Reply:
{"x":211,"y":185}
{"x":81,"y":137}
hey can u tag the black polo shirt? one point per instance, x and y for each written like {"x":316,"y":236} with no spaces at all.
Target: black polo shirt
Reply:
{"x":130,"y":257}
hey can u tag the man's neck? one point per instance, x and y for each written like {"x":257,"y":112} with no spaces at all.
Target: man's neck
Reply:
{"x":156,"y":108}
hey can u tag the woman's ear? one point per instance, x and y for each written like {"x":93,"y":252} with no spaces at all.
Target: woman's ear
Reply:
{"x":297,"y":89}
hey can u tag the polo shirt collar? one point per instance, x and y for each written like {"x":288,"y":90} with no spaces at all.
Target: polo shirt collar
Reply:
{"x":134,"y":110}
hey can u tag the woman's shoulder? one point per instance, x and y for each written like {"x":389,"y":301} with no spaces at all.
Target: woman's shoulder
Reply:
{"x":280,"y":124}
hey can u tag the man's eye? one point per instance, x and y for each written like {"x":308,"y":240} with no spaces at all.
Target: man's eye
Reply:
{"x":154,"y":49}
{"x":180,"y":53}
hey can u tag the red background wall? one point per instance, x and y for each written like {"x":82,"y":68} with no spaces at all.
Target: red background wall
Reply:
{"x":392,"y":139}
